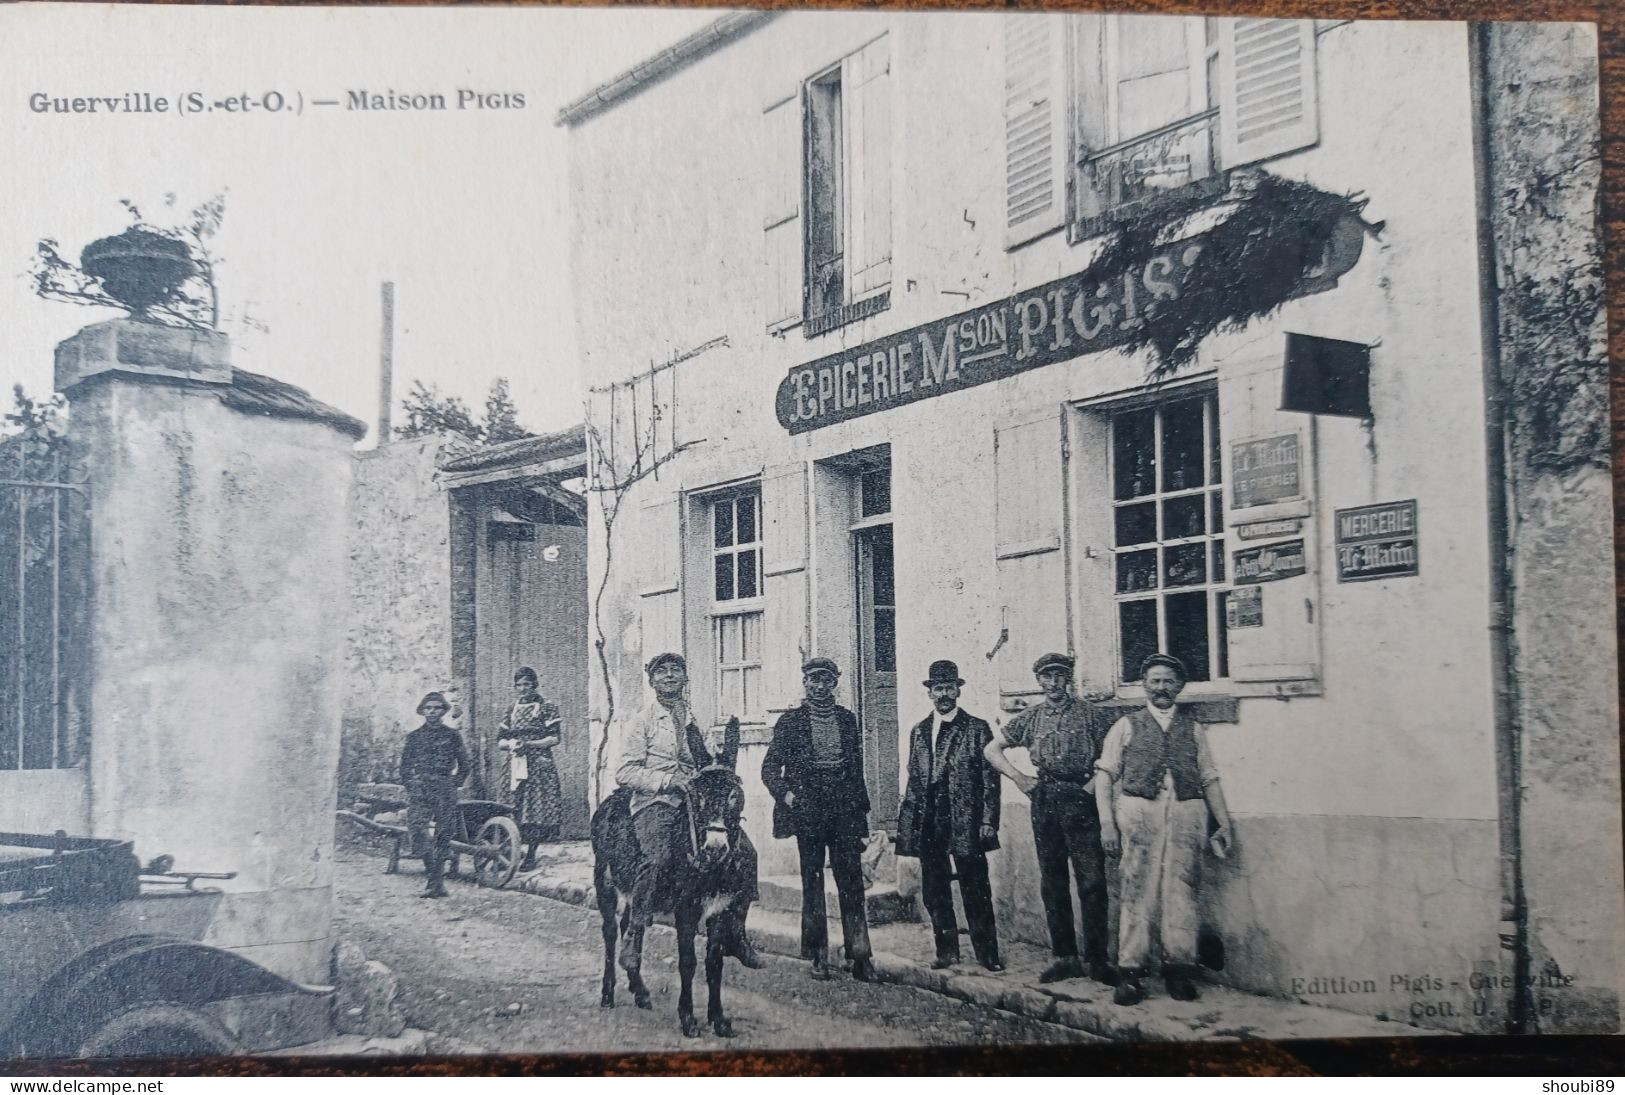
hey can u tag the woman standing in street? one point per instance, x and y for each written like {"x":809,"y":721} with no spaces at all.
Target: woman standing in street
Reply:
{"x":528,"y":733}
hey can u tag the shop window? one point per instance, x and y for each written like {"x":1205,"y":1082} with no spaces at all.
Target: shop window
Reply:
{"x":1168,"y":558}
{"x":830,"y":147}
{"x":736,"y":595}
{"x":1106,"y":113}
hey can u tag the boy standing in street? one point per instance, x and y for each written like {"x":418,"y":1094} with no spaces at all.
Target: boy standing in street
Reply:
{"x":433,"y":765}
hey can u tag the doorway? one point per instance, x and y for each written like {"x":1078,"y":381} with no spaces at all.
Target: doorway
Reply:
{"x":874,"y":581}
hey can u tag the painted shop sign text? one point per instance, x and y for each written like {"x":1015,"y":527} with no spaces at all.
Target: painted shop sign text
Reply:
{"x":1377,"y":542}
{"x":1265,"y":470}
{"x":1064,"y":319}
{"x":1270,"y":563}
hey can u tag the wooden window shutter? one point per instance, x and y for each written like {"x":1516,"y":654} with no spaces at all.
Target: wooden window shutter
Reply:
{"x":1280,"y":651}
{"x":785,"y":639}
{"x":1029,"y":550}
{"x":781,"y":223}
{"x":866,"y":97}
{"x":1267,"y":101}
{"x":1035,"y":126}
{"x":660,"y":596}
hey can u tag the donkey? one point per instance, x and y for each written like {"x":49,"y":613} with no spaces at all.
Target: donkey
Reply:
{"x":712,"y":877}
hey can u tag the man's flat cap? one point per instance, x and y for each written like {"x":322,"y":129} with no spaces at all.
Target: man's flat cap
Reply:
{"x":1053,"y":661}
{"x":820,"y":665}
{"x":663,"y":659}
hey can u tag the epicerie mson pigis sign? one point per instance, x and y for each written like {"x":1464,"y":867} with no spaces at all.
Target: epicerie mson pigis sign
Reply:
{"x":1377,"y":541}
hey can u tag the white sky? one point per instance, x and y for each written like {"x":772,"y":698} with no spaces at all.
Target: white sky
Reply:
{"x":466,"y":211}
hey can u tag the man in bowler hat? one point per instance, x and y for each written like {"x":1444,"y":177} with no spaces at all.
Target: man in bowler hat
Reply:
{"x":951,"y":808}
{"x":814,"y":771}
{"x":1063,"y":737}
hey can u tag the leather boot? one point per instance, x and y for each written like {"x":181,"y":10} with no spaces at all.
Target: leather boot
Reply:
{"x":1062,"y":969}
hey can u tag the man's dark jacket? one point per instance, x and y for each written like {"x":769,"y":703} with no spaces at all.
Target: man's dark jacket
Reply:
{"x":973,"y":786}
{"x":788,"y":767}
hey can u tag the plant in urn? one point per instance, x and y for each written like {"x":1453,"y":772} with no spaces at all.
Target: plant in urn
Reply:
{"x":140,"y":269}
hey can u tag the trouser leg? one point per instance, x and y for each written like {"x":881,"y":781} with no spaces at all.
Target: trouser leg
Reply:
{"x":847,"y":866}
{"x":652,"y":827}
{"x":935,"y":891}
{"x":978,"y":894}
{"x":1181,"y":879}
{"x":1053,"y":886}
{"x":1089,"y":871}
{"x":1140,"y":827}
{"x":814,"y":929}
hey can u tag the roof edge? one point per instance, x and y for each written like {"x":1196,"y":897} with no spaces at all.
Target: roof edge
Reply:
{"x":706,"y":40}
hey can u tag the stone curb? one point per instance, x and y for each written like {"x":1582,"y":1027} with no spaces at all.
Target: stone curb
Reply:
{"x":1102,"y":1019}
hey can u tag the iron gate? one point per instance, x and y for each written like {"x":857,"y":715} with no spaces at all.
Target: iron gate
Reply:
{"x":44,"y":605}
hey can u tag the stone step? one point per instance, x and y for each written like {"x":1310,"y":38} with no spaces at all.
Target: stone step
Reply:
{"x":882,"y":903}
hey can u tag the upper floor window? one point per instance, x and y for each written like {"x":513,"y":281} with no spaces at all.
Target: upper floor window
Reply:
{"x":829,"y":147}
{"x":1104,"y":112}
{"x":737,"y":547}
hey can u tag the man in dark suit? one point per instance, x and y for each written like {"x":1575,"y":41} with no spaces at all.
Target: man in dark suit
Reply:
{"x":951,"y":807}
{"x":814,"y":771}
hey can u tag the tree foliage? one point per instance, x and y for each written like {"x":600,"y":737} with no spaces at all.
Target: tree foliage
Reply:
{"x":196,"y":304}
{"x":429,"y":411}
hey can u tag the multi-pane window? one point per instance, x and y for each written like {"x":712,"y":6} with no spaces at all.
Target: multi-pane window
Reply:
{"x":737,"y":547}
{"x":1168,"y":536}
{"x":736,"y":625}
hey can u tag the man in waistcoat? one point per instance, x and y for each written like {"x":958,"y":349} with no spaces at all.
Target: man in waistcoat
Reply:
{"x":1155,"y":785}
{"x":951,"y":808}
{"x":1063,"y":736}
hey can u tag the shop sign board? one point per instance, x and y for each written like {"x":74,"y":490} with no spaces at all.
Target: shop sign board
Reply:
{"x":1269,"y":563}
{"x":1265,"y":470}
{"x":1377,"y":541}
{"x":1058,"y":321}
{"x":1269,"y":530}
{"x":1244,"y":607}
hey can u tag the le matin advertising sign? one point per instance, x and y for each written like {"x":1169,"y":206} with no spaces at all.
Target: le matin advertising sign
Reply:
{"x":1058,"y":321}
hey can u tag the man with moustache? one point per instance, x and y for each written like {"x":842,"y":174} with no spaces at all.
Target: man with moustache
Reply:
{"x":1155,"y":785}
{"x":951,"y":807}
{"x":1063,"y":736}
{"x":814,"y":771}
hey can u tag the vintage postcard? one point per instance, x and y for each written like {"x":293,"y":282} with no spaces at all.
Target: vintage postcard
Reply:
{"x":610,"y":531}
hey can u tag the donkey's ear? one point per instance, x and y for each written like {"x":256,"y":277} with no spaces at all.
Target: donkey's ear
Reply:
{"x":728,"y":756}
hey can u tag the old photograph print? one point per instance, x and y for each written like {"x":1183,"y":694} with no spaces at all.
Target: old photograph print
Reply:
{"x":614,"y":531}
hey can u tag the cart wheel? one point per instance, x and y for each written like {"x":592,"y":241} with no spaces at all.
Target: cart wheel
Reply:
{"x":496,"y":852}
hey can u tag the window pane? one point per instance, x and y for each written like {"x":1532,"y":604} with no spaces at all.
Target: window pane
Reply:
{"x":885,"y":640}
{"x":747,"y":519}
{"x":725,"y":576}
{"x":1187,"y":632}
{"x":1134,"y":457}
{"x":1219,"y":601}
{"x":747,"y":572}
{"x":751,"y":637}
{"x":727,"y":640}
{"x":1137,"y":635}
{"x":881,"y":565}
{"x":1182,"y":517}
{"x":1216,"y":511}
{"x":1137,"y":524}
{"x":1182,"y":445}
{"x":750,"y":691}
{"x":876,"y":490}
{"x":729,"y":690}
{"x":1184,"y":565}
{"x":722,"y":519}
{"x":1137,"y":571}
{"x":1218,"y":560}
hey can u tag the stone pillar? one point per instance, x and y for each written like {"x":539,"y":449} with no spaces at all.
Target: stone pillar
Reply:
{"x":219,"y":517}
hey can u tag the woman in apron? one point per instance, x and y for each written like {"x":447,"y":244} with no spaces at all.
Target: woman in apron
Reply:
{"x":528,"y":733}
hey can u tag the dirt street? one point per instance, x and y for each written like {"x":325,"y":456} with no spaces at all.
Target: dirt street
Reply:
{"x":508,"y":971}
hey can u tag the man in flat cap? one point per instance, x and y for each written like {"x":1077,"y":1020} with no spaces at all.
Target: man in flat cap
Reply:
{"x":951,"y":807}
{"x":1063,"y":737}
{"x":814,"y":771}
{"x":662,"y":750}
{"x":1156,"y":784}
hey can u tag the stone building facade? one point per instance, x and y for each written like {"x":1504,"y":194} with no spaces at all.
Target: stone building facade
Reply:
{"x":863,"y":388}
